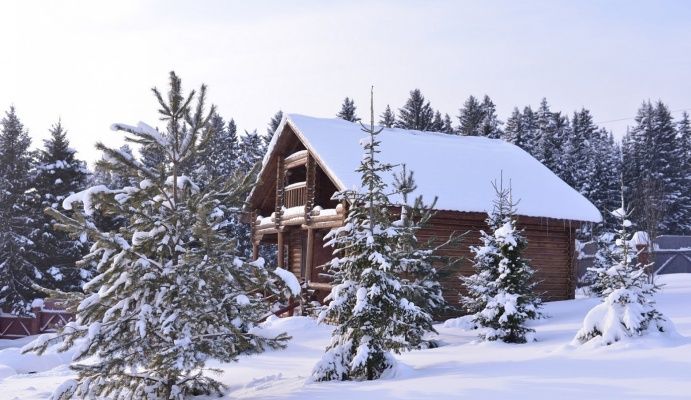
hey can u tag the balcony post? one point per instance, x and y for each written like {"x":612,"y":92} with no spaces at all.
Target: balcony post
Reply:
{"x":280,"y":256}
{"x":280,"y":188}
{"x":310,"y":188}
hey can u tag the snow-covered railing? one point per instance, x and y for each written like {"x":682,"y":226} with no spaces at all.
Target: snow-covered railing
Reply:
{"x":318,"y":217}
{"x":295,"y":194}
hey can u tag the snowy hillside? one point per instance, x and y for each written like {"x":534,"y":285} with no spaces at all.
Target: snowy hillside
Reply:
{"x":649,"y":368}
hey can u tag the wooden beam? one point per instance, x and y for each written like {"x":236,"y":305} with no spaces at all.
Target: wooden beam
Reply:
{"x":310,"y":255}
{"x":280,"y":188}
{"x":280,"y":255}
{"x":310,"y":189}
{"x":255,"y":251}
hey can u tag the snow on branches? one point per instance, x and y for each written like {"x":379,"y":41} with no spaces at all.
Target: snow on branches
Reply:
{"x":628,"y":308}
{"x":171,"y":290}
{"x":500,"y":292}
{"x":384,"y":285}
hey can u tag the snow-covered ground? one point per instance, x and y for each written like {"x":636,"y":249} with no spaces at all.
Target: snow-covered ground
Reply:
{"x":644,"y":368}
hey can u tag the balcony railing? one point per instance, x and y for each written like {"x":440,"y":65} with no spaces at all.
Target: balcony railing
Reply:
{"x":295,"y":195}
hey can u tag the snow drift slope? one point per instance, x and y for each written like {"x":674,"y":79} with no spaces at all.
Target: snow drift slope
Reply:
{"x":645,"y":368}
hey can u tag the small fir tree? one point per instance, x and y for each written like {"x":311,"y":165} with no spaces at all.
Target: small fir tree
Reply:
{"x":371,"y":304}
{"x":171,"y":293}
{"x":348,"y":110}
{"x":628,"y":308}
{"x":387,"y":118}
{"x":501,"y":291}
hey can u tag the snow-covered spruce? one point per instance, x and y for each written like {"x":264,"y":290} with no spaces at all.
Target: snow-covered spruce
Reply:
{"x":59,"y":174}
{"x":628,"y":308}
{"x":376,"y":309}
{"x":171,"y":292}
{"x":500,"y":293}
{"x":19,"y":216}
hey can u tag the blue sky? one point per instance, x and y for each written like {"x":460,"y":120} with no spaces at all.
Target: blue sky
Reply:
{"x":92,"y":63}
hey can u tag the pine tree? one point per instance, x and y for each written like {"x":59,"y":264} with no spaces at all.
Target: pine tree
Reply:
{"x":251,"y":151}
{"x":387,"y":118}
{"x":628,"y":308}
{"x":371,"y":303}
{"x":18,"y":218}
{"x":548,"y":143}
{"x":437,"y":123}
{"x":684,"y":138}
{"x":273,"y":125}
{"x":490,"y":125}
{"x":470,"y":118}
{"x":416,"y":114}
{"x":221,"y":159}
{"x":653,"y":171}
{"x":59,"y":174}
{"x":348,"y":111}
{"x":171,"y":293}
{"x":514,"y":131}
{"x":500,"y":292}
{"x":448,"y":125}
{"x":529,"y":127}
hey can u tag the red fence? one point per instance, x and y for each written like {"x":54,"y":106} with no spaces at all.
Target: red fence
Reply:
{"x":44,"y":321}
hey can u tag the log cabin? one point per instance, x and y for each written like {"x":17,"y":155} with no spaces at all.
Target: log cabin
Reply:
{"x":309,"y":159}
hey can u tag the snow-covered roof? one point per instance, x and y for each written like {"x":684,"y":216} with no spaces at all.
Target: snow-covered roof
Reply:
{"x":459,"y":170}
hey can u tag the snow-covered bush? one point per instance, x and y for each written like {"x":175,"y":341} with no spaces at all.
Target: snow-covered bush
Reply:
{"x":384,"y":288}
{"x":500,"y":292}
{"x":628,"y":308}
{"x":171,"y":291}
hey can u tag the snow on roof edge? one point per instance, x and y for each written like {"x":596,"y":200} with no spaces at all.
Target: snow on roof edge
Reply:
{"x":592,"y":215}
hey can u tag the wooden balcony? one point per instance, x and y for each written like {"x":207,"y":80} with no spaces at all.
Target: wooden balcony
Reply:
{"x":295,"y":195}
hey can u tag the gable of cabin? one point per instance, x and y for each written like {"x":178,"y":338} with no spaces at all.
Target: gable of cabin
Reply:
{"x":285,"y":169}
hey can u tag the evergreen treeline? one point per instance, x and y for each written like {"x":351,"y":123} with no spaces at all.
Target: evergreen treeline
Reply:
{"x":654,"y":157}
{"x":36,"y":259}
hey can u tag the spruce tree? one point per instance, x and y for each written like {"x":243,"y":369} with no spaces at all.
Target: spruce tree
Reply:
{"x":273,"y":125}
{"x":251,"y":151}
{"x":514,"y":131}
{"x":548,"y":143}
{"x":371,"y":302}
{"x":653,"y":171}
{"x":490,"y":126}
{"x":387,"y":119}
{"x":448,"y":125}
{"x":416,"y":114}
{"x":58,"y":175}
{"x":171,"y":293}
{"x":19,"y":269}
{"x":347,"y":111}
{"x":684,"y":138}
{"x":500,"y":293}
{"x":437,"y":123}
{"x":529,"y":127}
{"x":628,"y":308}
{"x":220,"y":160}
{"x":470,"y":118}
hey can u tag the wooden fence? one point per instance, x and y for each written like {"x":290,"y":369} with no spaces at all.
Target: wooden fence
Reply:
{"x":43,"y":321}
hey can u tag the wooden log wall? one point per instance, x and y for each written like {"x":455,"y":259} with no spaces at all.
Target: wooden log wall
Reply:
{"x":550,"y":251}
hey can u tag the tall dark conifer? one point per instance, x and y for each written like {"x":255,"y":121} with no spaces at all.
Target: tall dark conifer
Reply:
{"x":470,"y":117}
{"x":347,"y":111}
{"x":19,"y":270}
{"x":59,"y":174}
{"x":416,"y":114}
